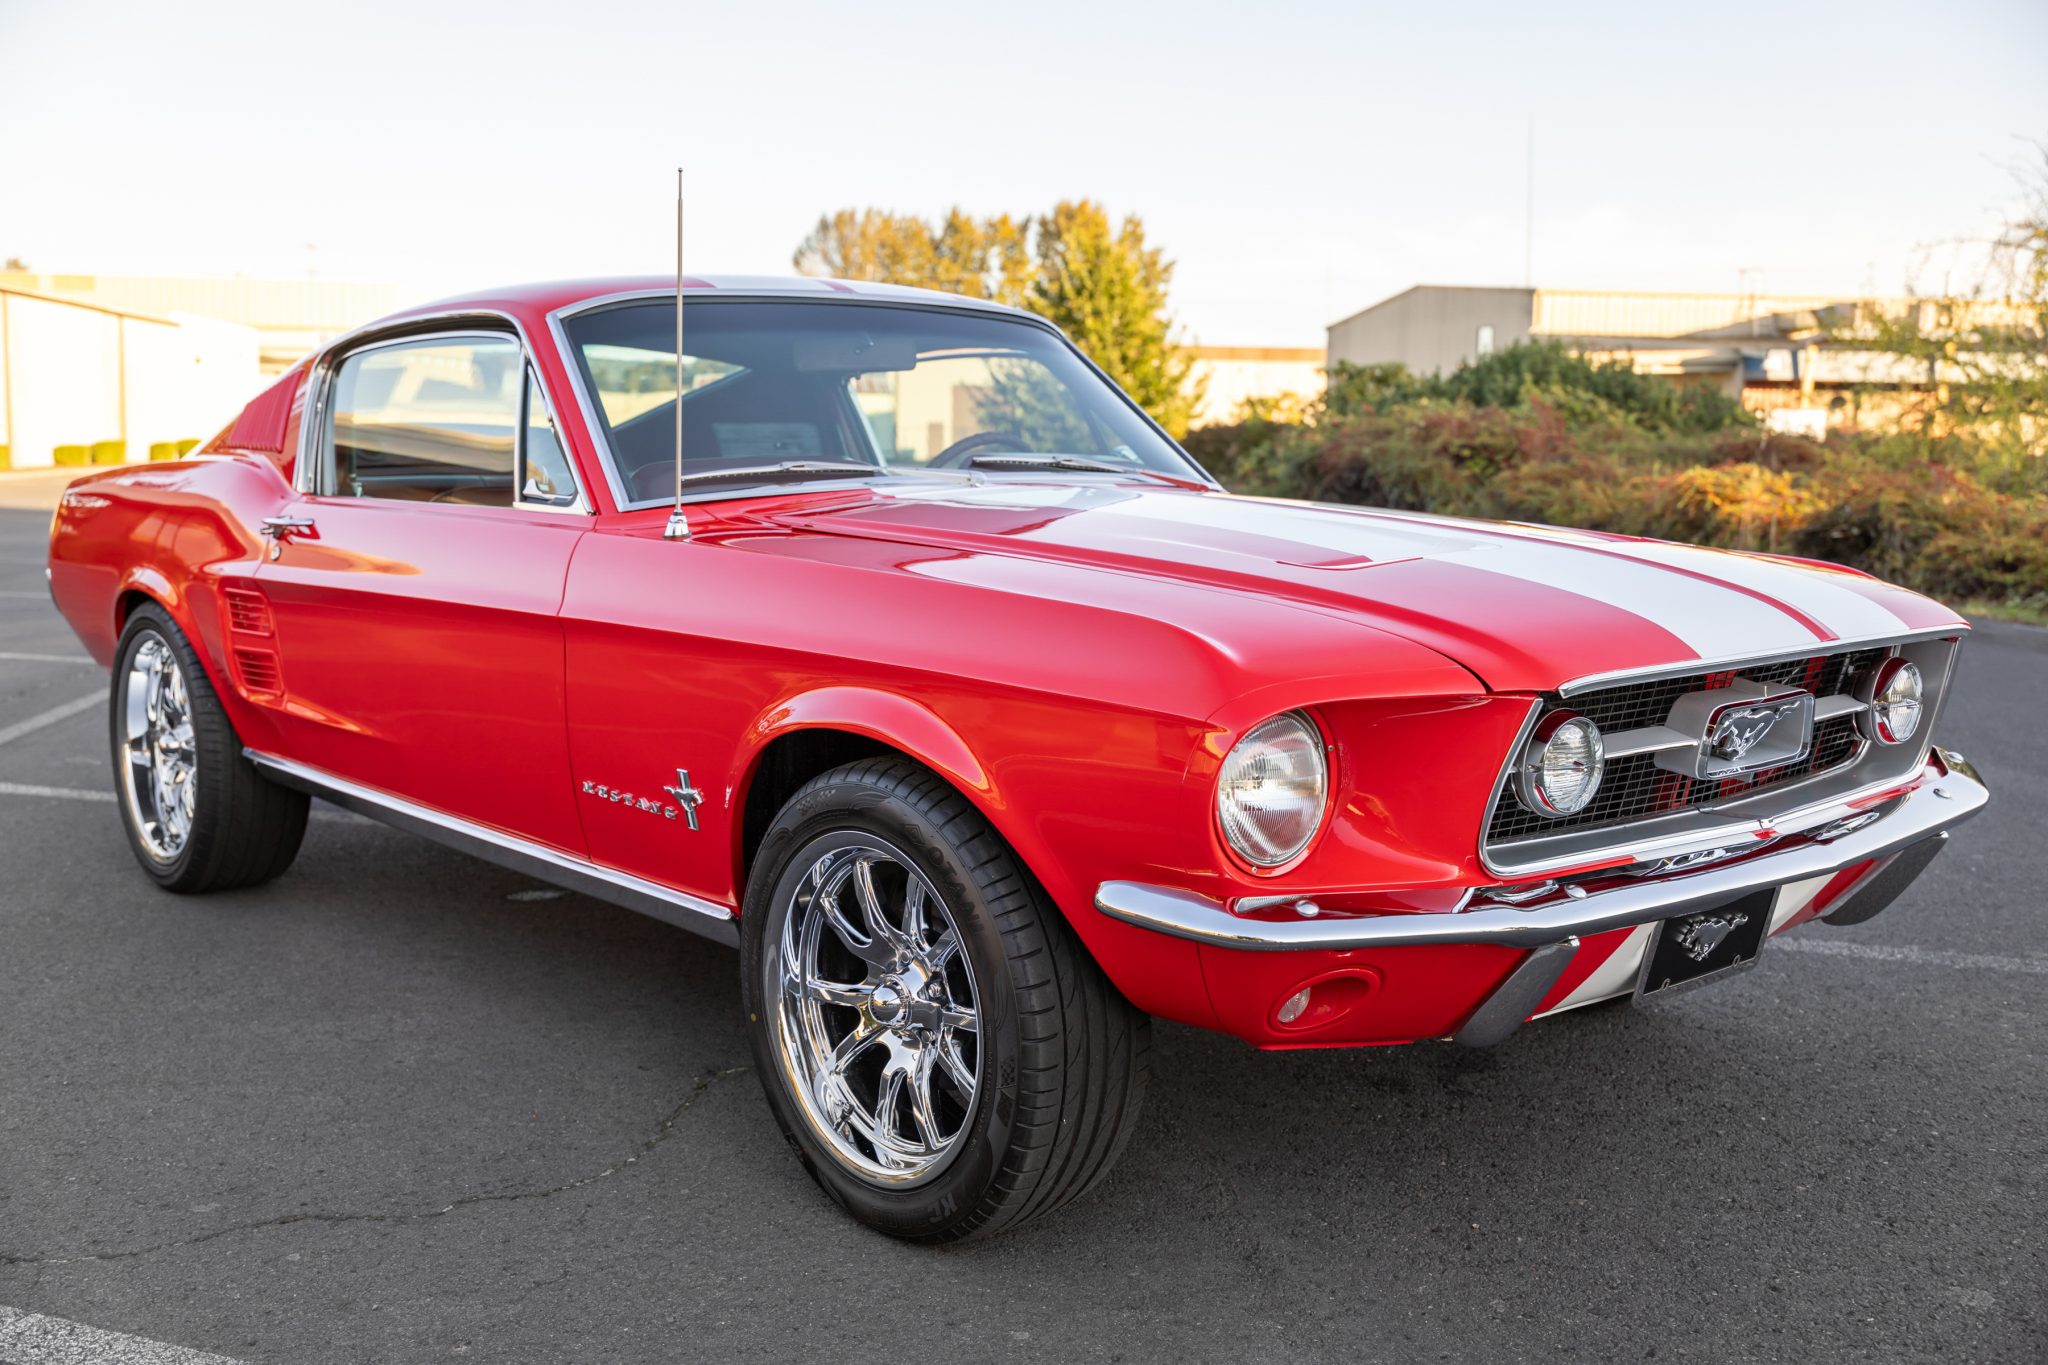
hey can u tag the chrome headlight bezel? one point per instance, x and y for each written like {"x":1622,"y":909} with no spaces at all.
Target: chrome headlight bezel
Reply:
{"x":1268,"y":840}
{"x":1554,"y":738}
{"x":1894,"y":701}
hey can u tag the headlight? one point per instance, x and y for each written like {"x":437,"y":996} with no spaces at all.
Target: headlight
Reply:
{"x":1894,"y":702}
{"x":1562,"y":765}
{"x":1271,"y":793}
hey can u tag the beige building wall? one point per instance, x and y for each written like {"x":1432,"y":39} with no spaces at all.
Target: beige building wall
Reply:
{"x":1433,"y":328}
{"x":1232,"y":374}
{"x":74,"y":374}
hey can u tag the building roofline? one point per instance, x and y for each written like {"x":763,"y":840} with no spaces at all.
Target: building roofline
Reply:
{"x":72,"y":301}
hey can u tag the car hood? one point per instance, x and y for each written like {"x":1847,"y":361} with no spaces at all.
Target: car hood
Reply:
{"x":1525,"y":608}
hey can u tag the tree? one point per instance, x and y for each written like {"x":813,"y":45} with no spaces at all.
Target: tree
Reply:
{"x":983,"y":258}
{"x":1107,"y":289}
{"x":1982,"y":352}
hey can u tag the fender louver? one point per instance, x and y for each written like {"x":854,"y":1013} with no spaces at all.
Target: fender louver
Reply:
{"x":259,"y":671}
{"x":248,"y":612}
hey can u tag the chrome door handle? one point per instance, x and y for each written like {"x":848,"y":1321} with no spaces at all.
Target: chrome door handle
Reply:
{"x":278,"y":530}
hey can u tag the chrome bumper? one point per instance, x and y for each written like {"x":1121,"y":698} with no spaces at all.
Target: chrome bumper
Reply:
{"x":1916,"y":822}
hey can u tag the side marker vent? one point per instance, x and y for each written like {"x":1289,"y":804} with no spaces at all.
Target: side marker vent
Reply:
{"x":248,"y":612}
{"x":259,"y":672}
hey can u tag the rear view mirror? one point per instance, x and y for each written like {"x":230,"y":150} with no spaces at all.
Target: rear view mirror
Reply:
{"x":855,"y":353}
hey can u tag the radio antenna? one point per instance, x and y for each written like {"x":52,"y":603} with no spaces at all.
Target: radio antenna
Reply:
{"x":678,"y":528}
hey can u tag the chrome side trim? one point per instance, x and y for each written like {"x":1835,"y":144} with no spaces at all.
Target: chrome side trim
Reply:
{"x":1819,"y":648}
{"x":699,"y":916}
{"x":1939,"y":803}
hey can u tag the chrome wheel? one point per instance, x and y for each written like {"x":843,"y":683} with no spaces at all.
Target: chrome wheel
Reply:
{"x":875,"y":1013}
{"x":160,"y":774}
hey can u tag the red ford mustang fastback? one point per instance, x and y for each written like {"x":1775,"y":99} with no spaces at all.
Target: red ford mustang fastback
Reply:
{"x":946,"y":686}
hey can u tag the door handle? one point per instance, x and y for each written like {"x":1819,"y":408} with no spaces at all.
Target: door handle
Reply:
{"x":278,"y":530}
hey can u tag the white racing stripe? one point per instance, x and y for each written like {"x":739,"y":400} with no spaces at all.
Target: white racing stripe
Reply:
{"x":45,"y":719}
{"x":1615,"y":976}
{"x":33,"y":1339}
{"x":1847,"y":613}
{"x":1715,"y":622}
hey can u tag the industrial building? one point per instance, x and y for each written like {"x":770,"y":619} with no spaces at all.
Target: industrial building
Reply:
{"x":114,"y":368}
{"x":1787,"y":356}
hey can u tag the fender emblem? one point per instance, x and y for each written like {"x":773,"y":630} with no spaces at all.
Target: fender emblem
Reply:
{"x":687,"y":796}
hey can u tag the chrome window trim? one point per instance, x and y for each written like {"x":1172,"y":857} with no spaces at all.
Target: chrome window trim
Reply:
{"x":593,"y":423}
{"x":1640,"y":840}
{"x":310,"y":465}
{"x":665,"y":903}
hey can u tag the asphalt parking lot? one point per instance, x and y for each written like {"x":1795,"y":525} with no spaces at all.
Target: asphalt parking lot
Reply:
{"x":404,"y":1106}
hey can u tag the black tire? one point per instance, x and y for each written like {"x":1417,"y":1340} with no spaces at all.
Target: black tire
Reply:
{"x":1062,"y":1055}
{"x":244,"y":829}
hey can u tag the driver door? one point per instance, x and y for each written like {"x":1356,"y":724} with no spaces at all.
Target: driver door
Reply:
{"x":415,"y":601}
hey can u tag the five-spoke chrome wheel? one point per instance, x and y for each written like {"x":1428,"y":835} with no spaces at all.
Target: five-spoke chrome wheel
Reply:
{"x":160,"y":777}
{"x":875,"y":1013}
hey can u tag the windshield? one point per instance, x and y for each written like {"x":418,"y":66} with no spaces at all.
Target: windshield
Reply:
{"x":890,"y":387}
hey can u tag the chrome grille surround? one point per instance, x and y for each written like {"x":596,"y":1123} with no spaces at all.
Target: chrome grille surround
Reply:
{"x":1645,"y":811}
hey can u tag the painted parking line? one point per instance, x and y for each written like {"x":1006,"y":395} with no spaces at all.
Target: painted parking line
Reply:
{"x":44,"y":658}
{"x":1914,"y":957}
{"x":33,"y":1339}
{"x":38,"y":596}
{"x":53,"y":793}
{"x":44,"y":719}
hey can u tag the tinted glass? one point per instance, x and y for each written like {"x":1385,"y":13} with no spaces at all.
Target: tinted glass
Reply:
{"x":428,"y":421}
{"x":888,"y":386}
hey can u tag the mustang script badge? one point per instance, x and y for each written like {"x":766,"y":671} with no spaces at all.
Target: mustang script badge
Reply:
{"x":1701,"y":936}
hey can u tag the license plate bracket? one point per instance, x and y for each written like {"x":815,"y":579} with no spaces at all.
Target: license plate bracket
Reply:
{"x":1703,"y":947}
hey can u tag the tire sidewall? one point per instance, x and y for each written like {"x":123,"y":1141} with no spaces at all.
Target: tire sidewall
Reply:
{"x":933,"y":1206}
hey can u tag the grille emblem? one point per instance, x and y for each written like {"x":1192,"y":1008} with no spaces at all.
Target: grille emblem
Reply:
{"x":1737,"y":732}
{"x":1741,"y":728}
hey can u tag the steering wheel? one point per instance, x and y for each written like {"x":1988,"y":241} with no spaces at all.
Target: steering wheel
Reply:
{"x":955,"y":455}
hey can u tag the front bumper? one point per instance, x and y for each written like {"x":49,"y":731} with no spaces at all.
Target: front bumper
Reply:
{"x":1890,"y":838}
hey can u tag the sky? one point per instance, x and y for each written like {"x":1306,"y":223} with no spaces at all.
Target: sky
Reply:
{"x":1299,"y":161}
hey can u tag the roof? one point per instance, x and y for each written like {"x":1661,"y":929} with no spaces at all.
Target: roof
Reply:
{"x":547,"y":296}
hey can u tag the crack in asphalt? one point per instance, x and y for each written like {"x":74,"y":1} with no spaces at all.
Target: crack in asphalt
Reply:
{"x":661,"y":1135}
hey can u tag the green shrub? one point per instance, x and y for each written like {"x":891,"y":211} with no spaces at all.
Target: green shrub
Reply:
{"x":109,"y":452}
{"x":72,"y":455}
{"x":187,"y":446}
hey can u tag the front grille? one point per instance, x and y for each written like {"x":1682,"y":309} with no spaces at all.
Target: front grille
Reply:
{"x":1635,"y":788}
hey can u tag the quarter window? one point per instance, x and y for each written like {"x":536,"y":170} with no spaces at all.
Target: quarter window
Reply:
{"x":544,"y":476}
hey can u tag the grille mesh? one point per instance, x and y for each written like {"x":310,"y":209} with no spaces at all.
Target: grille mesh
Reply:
{"x":1635,"y":788}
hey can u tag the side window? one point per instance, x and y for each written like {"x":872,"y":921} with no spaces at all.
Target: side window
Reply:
{"x":544,"y":476}
{"x":432,"y":420}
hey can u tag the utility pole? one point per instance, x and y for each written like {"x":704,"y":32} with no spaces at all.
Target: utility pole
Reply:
{"x":1529,"y":213}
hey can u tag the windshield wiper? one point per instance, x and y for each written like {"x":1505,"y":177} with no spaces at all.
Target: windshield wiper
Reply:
{"x":785,"y":471}
{"x":1069,"y":462}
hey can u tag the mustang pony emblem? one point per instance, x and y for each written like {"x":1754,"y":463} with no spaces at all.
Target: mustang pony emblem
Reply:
{"x":1699,"y":937}
{"x":1737,"y":732}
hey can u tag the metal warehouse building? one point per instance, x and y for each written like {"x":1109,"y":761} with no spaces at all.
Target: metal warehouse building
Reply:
{"x":81,"y":382}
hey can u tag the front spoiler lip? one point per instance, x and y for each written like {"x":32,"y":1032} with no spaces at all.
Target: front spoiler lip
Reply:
{"x":1939,"y":802}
